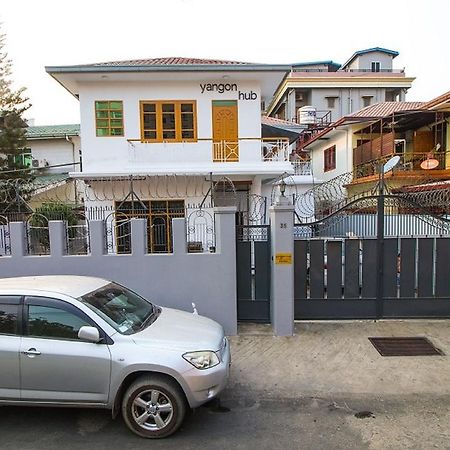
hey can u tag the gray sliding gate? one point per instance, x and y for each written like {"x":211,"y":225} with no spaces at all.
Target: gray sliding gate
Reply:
{"x":253,"y":272}
{"x":343,"y":279}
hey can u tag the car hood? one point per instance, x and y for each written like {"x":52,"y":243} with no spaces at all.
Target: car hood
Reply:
{"x":175,"y":329}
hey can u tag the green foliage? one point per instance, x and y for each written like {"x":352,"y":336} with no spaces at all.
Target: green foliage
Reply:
{"x":12,"y":126}
{"x":53,"y":211}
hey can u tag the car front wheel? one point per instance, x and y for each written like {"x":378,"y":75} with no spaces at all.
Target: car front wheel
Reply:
{"x":153,"y":406}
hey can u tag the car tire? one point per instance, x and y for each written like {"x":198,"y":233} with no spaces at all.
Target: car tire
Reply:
{"x":153,"y":406}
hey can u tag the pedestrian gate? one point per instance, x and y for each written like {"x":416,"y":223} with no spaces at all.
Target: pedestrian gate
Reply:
{"x":253,"y":272}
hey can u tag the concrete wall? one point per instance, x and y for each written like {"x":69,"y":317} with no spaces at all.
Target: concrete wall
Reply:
{"x":173,"y":280}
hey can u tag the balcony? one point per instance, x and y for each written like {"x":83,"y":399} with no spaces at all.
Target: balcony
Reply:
{"x":275,"y":149}
{"x":272,"y":149}
{"x":409,"y":165}
{"x":205,"y":154}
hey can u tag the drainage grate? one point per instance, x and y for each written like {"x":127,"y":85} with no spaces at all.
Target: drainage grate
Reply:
{"x":404,"y":346}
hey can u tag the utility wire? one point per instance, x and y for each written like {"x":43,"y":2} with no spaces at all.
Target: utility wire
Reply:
{"x":39,"y":168}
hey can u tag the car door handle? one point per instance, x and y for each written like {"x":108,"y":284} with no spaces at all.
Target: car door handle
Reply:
{"x":31,"y":352}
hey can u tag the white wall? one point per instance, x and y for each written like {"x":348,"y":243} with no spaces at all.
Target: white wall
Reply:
{"x":56,"y":152}
{"x":115,"y":154}
{"x":365,"y":61}
{"x":344,"y":154}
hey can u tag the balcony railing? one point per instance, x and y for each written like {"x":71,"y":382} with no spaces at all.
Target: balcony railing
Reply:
{"x":410,"y":162}
{"x":204,"y":150}
{"x":275,"y":149}
{"x":374,"y":71}
{"x":225,"y":151}
{"x":302,"y":167}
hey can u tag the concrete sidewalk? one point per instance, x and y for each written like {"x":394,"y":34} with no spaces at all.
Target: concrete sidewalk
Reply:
{"x":336,"y":358}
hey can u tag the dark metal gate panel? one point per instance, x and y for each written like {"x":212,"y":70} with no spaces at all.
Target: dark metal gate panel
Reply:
{"x":253,"y":273}
{"x":262,"y":270}
{"x":300,"y":261}
{"x":408,"y":267}
{"x":334,"y":269}
{"x":351,"y":261}
{"x":369,"y":268}
{"x":316,"y":273}
{"x":425,"y":268}
{"x":243,"y":265}
{"x":443,"y":267}
{"x":331,"y":284}
{"x":390,"y":258}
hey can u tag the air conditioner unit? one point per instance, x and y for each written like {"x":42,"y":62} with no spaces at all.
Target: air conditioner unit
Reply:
{"x":35,"y":163}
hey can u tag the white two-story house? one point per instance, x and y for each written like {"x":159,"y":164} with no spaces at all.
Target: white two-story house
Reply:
{"x":163,"y":137}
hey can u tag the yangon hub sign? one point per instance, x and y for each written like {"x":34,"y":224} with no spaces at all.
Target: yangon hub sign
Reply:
{"x":221,"y":88}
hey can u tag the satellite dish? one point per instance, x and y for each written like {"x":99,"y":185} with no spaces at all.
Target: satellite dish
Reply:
{"x":391,"y":164}
{"x":429,"y":163}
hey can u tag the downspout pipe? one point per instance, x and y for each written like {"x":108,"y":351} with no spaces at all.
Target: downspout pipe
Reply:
{"x":69,"y":139}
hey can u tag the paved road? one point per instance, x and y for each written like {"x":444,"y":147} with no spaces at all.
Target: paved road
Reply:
{"x":255,"y":420}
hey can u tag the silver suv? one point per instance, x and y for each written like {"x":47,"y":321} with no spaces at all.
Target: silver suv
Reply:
{"x":89,"y":342}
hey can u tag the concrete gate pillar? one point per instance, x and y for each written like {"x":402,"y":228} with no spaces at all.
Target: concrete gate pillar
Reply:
{"x":282,"y":267}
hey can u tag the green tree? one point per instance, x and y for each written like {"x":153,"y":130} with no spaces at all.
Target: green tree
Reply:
{"x":13,"y":104}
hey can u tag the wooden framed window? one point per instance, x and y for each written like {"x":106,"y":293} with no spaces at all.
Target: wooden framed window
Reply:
{"x":329,"y":158}
{"x":168,"y":121}
{"x":109,"y":118}
{"x":375,"y":66}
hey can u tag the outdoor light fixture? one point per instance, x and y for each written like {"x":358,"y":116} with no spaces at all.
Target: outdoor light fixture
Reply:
{"x":282,"y":187}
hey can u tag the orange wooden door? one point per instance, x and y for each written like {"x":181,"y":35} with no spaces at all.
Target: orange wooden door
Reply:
{"x":225,"y":131}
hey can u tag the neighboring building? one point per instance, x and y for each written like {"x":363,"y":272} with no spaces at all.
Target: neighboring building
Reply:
{"x":181,"y":128}
{"x":335,"y":90}
{"x":359,"y":144}
{"x":55,"y":148}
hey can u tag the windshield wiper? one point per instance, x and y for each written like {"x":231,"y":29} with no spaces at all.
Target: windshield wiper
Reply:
{"x":150,"y":318}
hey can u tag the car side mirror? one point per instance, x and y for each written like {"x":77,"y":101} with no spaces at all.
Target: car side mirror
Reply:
{"x":89,"y":334}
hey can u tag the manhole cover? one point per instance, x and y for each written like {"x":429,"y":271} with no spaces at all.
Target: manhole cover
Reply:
{"x":404,"y":346}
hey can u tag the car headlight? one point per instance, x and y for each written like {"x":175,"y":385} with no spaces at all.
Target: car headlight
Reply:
{"x":202,"y":360}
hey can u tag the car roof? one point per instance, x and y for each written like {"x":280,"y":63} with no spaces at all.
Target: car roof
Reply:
{"x":71,"y":285}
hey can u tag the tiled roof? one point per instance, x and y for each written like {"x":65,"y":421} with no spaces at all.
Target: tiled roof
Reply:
{"x":383,"y":109}
{"x":375,"y":111}
{"x":41,"y":181}
{"x":170,"y":61}
{"x":444,"y":98}
{"x":52,"y":131}
{"x":273,"y":121}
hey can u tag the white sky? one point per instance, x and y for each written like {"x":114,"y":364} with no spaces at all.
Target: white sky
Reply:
{"x":51,"y":32}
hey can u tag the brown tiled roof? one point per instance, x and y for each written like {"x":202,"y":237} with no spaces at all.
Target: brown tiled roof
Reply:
{"x":384,"y":109}
{"x":171,"y":61}
{"x":444,"y":98}
{"x":378,"y":110}
{"x":266,"y":120}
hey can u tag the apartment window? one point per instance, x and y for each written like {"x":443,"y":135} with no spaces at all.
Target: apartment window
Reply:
{"x":109,"y":118}
{"x":367,"y":100}
{"x":329,"y":158}
{"x":172,"y":121}
{"x":331,"y":102}
{"x":375,"y":65}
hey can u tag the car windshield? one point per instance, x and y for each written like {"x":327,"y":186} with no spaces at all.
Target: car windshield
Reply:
{"x":123,"y":309}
